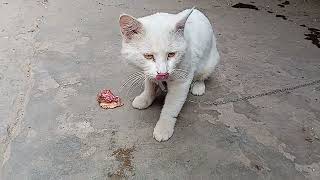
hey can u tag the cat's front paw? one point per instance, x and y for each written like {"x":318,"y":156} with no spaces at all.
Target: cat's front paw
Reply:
{"x":164,"y":129}
{"x":142,"y":102}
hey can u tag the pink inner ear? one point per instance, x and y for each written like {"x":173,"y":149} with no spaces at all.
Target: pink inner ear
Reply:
{"x":180,"y":26}
{"x":129,"y":26}
{"x":125,"y":20}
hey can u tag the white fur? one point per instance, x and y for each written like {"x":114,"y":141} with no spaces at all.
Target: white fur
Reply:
{"x":196,"y":54}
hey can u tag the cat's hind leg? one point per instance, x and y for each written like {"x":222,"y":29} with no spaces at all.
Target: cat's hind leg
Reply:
{"x":198,"y":88}
{"x":205,"y":69}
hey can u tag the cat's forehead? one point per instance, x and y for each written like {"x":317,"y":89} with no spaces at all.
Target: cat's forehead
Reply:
{"x":160,"y":21}
{"x":157,"y":16}
{"x":159,"y":36}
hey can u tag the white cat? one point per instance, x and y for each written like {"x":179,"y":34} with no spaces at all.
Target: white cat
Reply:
{"x":177,"y":48}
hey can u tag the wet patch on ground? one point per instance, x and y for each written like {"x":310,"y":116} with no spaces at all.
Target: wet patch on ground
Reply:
{"x":245,"y":6}
{"x":313,"y":36}
{"x":282,"y":5}
{"x":282,"y":16}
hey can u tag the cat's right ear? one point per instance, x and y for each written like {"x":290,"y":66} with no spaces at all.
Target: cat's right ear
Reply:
{"x":182,"y":22}
{"x":130,"y":26}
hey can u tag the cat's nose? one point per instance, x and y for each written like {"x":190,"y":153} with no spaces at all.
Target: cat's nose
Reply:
{"x":162,"y":76}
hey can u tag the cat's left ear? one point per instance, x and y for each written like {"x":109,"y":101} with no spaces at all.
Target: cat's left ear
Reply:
{"x":130,"y":26}
{"x":182,"y":21}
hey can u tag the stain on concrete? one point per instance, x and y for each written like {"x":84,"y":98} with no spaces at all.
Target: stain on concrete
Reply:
{"x":313,"y":36}
{"x":285,"y":3}
{"x":281,"y":16}
{"x":245,"y":6}
{"x":125,"y":157}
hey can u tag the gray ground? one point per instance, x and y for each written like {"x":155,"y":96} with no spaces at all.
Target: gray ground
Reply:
{"x":57,"y":54}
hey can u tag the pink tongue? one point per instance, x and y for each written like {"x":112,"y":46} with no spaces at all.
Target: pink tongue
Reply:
{"x":162,"y":76}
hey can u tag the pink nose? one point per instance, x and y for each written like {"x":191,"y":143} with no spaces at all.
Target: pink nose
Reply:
{"x":162,"y":76}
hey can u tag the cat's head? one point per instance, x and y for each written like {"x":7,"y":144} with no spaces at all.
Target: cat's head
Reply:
{"x":155,"y":43}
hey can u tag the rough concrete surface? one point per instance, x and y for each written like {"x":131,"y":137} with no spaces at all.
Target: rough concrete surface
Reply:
{"x":55,"y":55}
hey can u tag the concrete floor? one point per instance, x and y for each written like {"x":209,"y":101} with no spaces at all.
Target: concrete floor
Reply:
{"x":57,"y":54}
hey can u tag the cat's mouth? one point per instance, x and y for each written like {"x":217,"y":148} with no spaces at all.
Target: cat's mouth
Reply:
{"x":162,"y":76}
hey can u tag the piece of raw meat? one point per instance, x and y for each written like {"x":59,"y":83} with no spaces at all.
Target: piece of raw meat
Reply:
{"x":107,"y":100}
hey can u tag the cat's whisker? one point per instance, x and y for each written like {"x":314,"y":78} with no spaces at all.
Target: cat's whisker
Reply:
{"x":134,"y":87}
{"x":134,"y":79}
{"x":181,"y":71}
{"x":130,"y":79}
{"x":149,"y":76}
{"x":134,"y":84}
{"x":128,"y":82}
{"x":136,"y":74}
{"x":180,"y":75}
{"x":175,"y":76}
{"x":177,"y":69}
{"x":141,"y":84}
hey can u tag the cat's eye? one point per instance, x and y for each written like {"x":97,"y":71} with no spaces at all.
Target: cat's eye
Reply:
{"x":148,"y":56}
{"x":171,"y":54}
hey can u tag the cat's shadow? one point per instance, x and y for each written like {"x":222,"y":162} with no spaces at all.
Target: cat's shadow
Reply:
{"x":159,"y":101}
